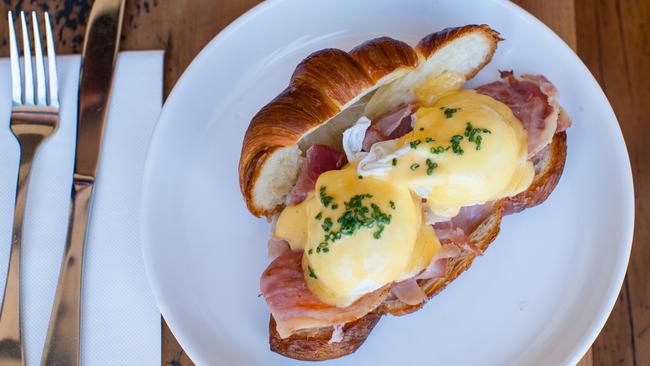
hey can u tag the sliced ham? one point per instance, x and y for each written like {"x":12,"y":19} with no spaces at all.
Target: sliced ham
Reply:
{"x":438,"y":266}
{"x":295,"y":307}
{"x":389,"y":127}
{"x":468,"y":219}
{"x":319,"y":159}
{"x":409,"y":292}
{"x":452,"y":235}
{"x":373,"y":135}
{"x":277,"y":247}
{"x":533,"y":100}
{"x":457,"y":236}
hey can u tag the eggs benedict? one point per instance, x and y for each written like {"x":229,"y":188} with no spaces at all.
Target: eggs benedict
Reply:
{"x":360,"y":228}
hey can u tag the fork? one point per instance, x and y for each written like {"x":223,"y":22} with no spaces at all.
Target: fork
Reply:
{"x":34,"y":117}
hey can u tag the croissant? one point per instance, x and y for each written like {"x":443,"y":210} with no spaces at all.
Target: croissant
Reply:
{"x":321,"y":102}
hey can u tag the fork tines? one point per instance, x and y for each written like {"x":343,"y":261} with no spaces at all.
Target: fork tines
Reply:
{"x":23,"y":83}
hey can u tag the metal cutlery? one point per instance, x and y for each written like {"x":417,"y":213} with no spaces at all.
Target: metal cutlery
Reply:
{"x":97,"y":63}
{"x":34,"y":117}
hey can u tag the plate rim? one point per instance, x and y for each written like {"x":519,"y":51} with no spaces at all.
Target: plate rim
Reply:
{"x":590,"y":333}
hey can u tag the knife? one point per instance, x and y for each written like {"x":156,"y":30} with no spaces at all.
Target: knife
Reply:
{"x":95,"y":80}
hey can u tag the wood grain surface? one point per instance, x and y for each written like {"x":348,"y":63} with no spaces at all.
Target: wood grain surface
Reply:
{"x":614,"y":42}
{"x":611,"y":36}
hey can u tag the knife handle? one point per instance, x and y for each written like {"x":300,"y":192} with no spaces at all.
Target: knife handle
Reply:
{"x":62,"y":342}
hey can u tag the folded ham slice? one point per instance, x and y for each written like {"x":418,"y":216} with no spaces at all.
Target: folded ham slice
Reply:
{"x":534,"y":101}
{"x":438,"y":266}
{"x":410,"y":292}
{"x":277,"y":247}
{"x":295,"y":307}
{"x":320,"y":158}
{"x":468,"y":218}
{"x":389,"y":127}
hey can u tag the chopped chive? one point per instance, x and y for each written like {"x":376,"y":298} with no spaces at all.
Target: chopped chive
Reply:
{"x":377,"y":234}
{"x":357,"y":215}
{"x":455,"y":144}
{"x":311,"y":273}
{"x":474,"y":134}
{"x":327,"y":224}
{"x":438,"y":149}
{"x":324,"y":198}
{"x":431,"y":166}
{"x":449,"y":112}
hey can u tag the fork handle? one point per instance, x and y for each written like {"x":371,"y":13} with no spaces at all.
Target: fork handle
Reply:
{"x":63,"y":334}
{"x":11,"y":343}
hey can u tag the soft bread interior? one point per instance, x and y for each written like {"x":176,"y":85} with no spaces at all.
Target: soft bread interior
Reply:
{"x":278,"y":176}
{"x":459,"y":57}
{"x":464,"y":55}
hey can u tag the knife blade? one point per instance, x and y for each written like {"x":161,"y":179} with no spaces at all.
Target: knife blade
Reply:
{"x":101,"y":44}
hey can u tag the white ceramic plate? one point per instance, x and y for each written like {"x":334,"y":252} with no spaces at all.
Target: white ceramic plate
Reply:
{"x":540,"y":294}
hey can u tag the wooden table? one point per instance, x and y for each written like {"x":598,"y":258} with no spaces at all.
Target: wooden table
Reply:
{"x":611,"y":36}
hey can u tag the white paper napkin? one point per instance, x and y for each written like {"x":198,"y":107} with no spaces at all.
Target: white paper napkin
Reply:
{"x":120,"y":321}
